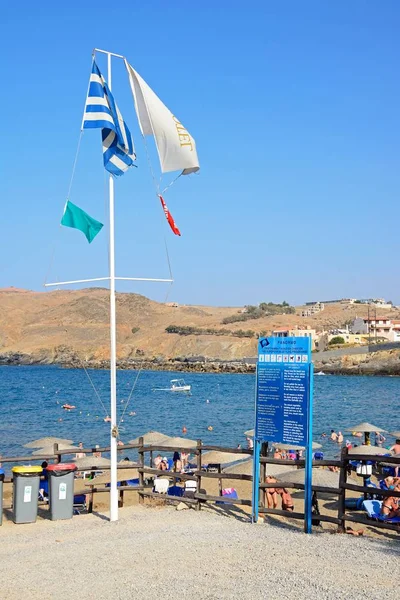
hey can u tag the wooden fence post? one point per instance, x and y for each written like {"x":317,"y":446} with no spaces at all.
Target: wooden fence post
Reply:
{"x":342,"y":493}
{"x":219,"y":481}
{"x":141,"y":474}
{"x":58,"y":456}
{"x":198,"y":505}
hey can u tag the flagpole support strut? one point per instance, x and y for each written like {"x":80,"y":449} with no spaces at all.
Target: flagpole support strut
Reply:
{"x":108,"y":54}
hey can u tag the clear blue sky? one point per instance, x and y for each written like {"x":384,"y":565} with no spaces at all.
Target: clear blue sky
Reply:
{"x":295,"y":110}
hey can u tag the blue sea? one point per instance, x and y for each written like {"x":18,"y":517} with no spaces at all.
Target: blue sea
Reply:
{"x":31,"y":398}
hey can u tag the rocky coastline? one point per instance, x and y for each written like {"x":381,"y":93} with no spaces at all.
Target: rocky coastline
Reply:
{"x":385,"y":363}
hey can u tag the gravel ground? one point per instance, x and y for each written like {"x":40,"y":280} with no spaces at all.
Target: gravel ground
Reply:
{"x":154,"y":552}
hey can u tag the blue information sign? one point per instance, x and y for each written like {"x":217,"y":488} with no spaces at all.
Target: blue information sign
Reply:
{"x":283,"y":386}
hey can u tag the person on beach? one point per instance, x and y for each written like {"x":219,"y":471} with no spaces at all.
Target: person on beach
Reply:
{"x":80,"y":454}
{"x":278,"y":453}
{"x":333,"y":435}
{"x":157,"y":461}
{"x":97,"y":454}
{"x":391,"y":505}
{"x":164,"y":464}
{"x":356,"y":433}
{"x":286,"y":498}
{"x":250,"y":443}
{"x":271,"y":493}
{"x":175,"y":459}
{"x":339,"y":437}
{"x":379,"y":439}
{"x":395,"y":448}
{"x":178,"y":468}
{"x":185,"y":459}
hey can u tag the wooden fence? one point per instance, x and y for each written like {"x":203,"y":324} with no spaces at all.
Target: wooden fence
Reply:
{"x":200,"y":473}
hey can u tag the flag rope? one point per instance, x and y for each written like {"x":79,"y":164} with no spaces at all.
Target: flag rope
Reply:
{"x":130,"y":395}
{"x":57,"y":236}
{"x":157,"y":191}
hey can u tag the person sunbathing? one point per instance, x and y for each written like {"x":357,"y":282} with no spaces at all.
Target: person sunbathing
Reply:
{"x":270,"y":493}
{"x":391,"y":505}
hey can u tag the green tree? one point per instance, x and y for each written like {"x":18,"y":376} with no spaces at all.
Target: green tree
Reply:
{"x":336,"y":340}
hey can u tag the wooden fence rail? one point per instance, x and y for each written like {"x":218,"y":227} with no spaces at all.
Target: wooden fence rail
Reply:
{"x":200,"y":473}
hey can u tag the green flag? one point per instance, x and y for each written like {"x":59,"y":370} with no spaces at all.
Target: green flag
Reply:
{"x":77,"y":218}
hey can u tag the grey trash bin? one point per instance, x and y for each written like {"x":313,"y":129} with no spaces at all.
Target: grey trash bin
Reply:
{"x":25,"y":493}
{"x":61,"y":491}
{"x":1,"y":495}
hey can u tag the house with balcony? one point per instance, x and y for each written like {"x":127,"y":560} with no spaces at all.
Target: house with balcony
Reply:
{"x":373,"y":326}
{"x":296,"y":332}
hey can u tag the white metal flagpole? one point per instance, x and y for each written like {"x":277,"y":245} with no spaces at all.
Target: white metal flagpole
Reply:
{"x":113,"y":347}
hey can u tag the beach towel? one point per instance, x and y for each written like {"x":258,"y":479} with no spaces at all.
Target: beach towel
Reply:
{"x":161,"y":486}
{"x":228,"y":493}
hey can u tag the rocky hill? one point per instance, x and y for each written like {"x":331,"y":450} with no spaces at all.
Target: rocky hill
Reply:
{"x":68,"y":326}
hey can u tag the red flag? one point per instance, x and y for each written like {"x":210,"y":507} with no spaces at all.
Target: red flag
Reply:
{"x":169,"y":217}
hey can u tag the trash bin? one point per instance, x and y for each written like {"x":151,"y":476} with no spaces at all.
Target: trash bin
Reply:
{"x":61,"y":490}
{"x":25,"y":493}
{"x":1,"y":495}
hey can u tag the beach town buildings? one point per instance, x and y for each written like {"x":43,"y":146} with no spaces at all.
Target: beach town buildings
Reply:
{"x":380,"y":302}
{"x":377,"y":327}
{"x":312,"y":309}
{"x":296,"y":332}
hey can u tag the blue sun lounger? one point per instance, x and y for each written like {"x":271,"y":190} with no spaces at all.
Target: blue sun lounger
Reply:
{"x":373,"y":510}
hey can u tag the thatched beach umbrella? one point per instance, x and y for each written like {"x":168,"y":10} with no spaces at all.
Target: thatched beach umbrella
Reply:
{"x":246,"y":468}
{"x":315,"y":446}
{"x":388,"y":464}
{"x":47,"y":441}
{"x":122,"y":475}
{"x":90,"y":462}
{"x":179,"y":442}
{"x":221,"y":458}
{"x":395,"y":434}
{"x":49,"y":450}
{"x":151,"y":437}
{"x":249,"y":433}
{"x":366,"y":429}
{"x":368,"y":449}
{"x":320,"y":476}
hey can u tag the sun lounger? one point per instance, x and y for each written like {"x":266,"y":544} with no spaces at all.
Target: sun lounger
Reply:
{"x":79,"y":503}
{"x":373,"y":510}
{"x":190,"y":488}
{"x":44,"y":490}
{"x":175,"y":490}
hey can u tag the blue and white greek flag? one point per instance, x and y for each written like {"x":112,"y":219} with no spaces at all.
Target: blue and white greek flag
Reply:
{"x":102,"y":112}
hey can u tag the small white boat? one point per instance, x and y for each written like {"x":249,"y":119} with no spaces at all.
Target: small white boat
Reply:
{"x":320,"y":373}
{"x":177,"y":385}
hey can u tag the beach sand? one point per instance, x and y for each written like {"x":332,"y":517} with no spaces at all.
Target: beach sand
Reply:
{"x":157,"y":552}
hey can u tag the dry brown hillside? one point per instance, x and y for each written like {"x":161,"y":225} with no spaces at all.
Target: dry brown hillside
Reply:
{"x":48,"y":324}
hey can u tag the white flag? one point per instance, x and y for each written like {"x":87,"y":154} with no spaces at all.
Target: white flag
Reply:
{"x":176,"y":147}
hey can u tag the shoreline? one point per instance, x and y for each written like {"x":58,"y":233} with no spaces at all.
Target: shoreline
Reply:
{"x":368,"y":368}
